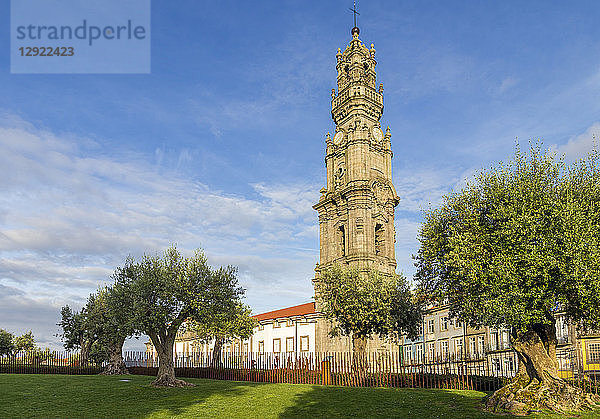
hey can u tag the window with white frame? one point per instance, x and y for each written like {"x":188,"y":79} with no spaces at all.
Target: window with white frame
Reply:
{"x":289,"y":344}
{"x":562,"y":329}
{"x":494,"y":340}
{"x":407,"y":354}
{"x":431,"y":326}
{"x":444,"y":323}
{"x":504,"y":339}
{"x":480,"y":345}
{"x":431,"y":351}
{"x":277,"y":345}
{"x":444,"y":349}
{"x":472,"y":346}
{"x":593,"y":352}
{"x":419,"y":354}
{"x":304,"y":346}
{"x":261,"y":346}
{"x":458,"y":347}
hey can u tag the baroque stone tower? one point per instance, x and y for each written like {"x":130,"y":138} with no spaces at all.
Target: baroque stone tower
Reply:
{"x":356,"y":208}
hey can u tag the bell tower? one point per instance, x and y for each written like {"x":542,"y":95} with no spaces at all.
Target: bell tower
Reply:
{"x":356,"y":208}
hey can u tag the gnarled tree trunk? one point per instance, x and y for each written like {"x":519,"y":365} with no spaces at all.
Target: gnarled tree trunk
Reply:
{"x":537,"y":385}
{"x":217,"y":350}
{"x":359,"y":355}
{"x":84,"y":353}
{"x":116,"y":365}
{"x":166,"y":367}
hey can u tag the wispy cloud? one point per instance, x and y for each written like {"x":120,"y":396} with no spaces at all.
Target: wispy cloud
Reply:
{"x":69,"y":217}
{"x":507,"y":83}
{"x":580,"y":145}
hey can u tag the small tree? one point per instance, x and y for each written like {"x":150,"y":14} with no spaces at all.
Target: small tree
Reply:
{"x":511,"y":250}
{"x":7,"y":346}
{"x":76,"y":333}
{"x":223,"y":327}
{"x":170,"y":290}
{"x":25,"y":342}
{"x":109,"y":319}
{"x":365,"y":304}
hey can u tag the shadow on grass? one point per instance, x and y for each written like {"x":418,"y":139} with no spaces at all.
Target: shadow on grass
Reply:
{"x":332,"y":402}
{"x":24,"y":395}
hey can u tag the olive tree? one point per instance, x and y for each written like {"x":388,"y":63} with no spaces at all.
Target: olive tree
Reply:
{"x":110,"y":319}
{"x":364,"y":304}
{"x":25,"y":342}
{"x":513,"y":247}
{"x":76,"y":332}
{"x":168,"y":290}
{"x":223,"y":327}
{"x":7,"y":345}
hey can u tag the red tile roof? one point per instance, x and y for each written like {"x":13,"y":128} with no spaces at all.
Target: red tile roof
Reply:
{"x":302,"y":309}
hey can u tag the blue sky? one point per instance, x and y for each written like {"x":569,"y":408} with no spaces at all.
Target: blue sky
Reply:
{"x":221,"y":145}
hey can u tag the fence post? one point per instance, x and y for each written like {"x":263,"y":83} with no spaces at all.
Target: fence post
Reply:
{"x":326,"y":372}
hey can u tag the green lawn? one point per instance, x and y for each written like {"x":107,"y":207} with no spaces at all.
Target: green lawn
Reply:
{"x":64,"y":396}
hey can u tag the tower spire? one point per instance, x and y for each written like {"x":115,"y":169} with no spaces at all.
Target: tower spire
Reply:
{"x":355,"y":12}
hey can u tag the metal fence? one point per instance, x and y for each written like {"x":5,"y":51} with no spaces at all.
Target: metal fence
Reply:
{"x":36,"y":362}
{"x":382,"y":369}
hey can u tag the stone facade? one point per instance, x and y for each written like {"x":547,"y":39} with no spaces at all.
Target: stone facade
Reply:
{"x":356,"y":208}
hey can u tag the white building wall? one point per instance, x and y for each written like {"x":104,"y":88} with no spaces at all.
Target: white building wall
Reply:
{"x":295,"y":329}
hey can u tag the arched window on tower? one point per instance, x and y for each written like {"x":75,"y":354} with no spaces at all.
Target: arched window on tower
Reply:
{"x":342,"y":240}
{"x":379,"y":239}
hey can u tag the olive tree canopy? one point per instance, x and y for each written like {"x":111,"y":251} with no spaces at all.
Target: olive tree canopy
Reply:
{"x":513,"y":248}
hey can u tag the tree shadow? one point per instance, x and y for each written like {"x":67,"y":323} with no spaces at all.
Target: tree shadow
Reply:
{"x":342,"y":402}
{"x":123,"y":396}
{"x":190,"y":401}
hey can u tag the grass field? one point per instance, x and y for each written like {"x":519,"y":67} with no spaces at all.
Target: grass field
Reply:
{"x":61,"y":396}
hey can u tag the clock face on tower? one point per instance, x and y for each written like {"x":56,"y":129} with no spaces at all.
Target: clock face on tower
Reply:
{"x":338,"y":137}
{"x":377,"y":134}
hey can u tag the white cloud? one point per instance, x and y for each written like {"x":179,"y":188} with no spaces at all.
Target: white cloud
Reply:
{"x":420,"y":188}
{"x":578,"y":146}
{"x":68,"y":218}
{"x":507,"y":83}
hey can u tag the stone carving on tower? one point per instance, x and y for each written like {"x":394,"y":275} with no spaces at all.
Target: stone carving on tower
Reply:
{"x":356,"y":208}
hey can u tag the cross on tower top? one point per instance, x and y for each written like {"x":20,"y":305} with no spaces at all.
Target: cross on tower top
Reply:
{"x":355,"y":12}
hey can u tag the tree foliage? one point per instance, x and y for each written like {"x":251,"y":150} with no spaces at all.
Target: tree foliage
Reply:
{"x":366,"y":304}
{"x":222,"y":327}
{"x":168,"y":290}
{"x":100,"y":328}
{"x":235,"y":323}
{"x":7,"y":346}
{"x":25,"y":342}
{"x":109,"y":319}
{"x":75,"y":332}
{"x":516,"y":246}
